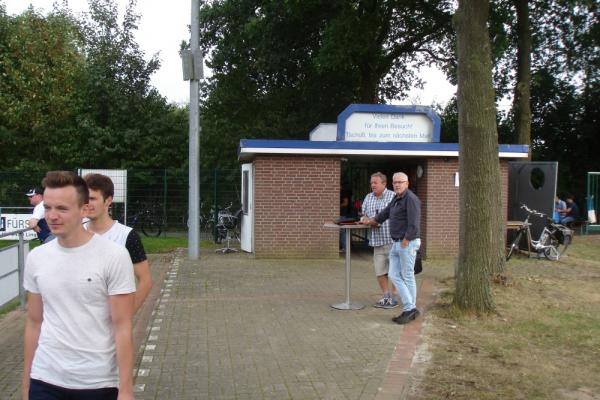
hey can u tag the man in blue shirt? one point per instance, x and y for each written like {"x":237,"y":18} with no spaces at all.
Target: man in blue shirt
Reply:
{"x":404,"y":214}
{"x":559,"y":206}
{"x":571,"y":213}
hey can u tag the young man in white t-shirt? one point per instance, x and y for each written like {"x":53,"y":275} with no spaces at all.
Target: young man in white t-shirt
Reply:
{"x":78,"y":333}
{"x":102,"y":190}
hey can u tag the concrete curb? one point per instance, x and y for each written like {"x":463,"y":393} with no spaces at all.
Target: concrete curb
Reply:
{"x":144,"y":314}
{"x":398,"y":370}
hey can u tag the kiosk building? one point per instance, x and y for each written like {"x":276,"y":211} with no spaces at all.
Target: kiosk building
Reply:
{"x":291,"y":188}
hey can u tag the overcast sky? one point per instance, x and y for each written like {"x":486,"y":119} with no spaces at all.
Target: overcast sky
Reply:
{"x":164,"y":25}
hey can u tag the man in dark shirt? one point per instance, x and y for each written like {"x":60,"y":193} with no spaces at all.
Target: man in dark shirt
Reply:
{"x":404,"y":214}
{"x":102,"y":190}
{"x":571,"y":213}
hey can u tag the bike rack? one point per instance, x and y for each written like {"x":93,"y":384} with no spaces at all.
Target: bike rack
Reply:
{"x":227,"y":249}
{"x":229,"y":229}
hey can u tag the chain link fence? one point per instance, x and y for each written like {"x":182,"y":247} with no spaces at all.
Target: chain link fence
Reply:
{"x":157,"y":200}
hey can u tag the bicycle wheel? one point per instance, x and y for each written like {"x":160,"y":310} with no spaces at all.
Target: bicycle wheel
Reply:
{"x":152,"y":228}
{"x":556,"y":249}
{"x":514,"y":246}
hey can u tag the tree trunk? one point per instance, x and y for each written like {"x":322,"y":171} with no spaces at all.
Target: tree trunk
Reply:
{"x":481,"y":237}
{"x":521,"y":102}
{"x":368,"y":85}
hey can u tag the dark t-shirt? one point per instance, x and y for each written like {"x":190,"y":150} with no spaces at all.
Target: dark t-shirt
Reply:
{"x":44,"y":230}
{"x":404,"y":213}
{"x":574,"y":210}
{"x":134,"y":246}
{"x":346,"y":211}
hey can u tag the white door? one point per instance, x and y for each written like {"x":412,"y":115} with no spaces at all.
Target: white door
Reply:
{"x":247,"y":228}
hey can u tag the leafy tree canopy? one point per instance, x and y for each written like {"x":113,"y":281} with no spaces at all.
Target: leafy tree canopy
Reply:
{"x":565,"y":75}
{"x":75,"y":92}
{"x":282,"y":67}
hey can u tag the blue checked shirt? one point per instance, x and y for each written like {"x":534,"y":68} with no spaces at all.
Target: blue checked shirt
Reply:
{"x":371,"y":206}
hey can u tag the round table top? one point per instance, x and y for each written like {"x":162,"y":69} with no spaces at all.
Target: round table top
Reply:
{"x":346,"y":226}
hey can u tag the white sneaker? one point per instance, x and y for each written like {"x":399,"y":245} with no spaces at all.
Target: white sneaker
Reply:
{"x":381,"y":302}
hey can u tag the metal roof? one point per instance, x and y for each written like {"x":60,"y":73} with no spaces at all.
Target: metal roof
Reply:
{"x":249,"y":148}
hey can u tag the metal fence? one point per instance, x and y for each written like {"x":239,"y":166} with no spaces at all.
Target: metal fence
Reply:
{"x":154,"y":197}
{"x":593,"y":201}
{"x":12,"y":267}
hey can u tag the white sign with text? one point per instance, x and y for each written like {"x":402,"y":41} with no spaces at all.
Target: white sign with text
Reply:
{"x":118,"y":177}
{"x":14,"y":222}
{"x":388,"y":127}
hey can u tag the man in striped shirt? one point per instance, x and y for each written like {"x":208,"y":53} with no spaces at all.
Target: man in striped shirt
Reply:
{"x":380,"y":238}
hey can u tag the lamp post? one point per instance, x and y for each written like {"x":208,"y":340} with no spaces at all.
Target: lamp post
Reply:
{"x":193,"y":71}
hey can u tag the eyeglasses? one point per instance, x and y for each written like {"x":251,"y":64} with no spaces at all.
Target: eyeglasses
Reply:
{"x":399,"y":182}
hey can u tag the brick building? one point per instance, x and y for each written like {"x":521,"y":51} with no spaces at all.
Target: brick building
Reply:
{"x":291,"y":188}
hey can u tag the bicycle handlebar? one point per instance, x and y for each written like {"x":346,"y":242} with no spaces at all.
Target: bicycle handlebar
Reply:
{"x":534,"y":212}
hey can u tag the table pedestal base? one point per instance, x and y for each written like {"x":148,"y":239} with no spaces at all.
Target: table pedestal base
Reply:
{"x":348,"y":306}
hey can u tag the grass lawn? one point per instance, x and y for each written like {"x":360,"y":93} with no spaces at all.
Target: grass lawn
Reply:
{"x":167,"y":244}
{"x":8,"y":307}
{"x":151,"y":244}
{"x":543,"y":341}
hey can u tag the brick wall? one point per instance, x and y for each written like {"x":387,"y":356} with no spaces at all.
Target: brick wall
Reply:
{"x":440,"y":213}
{"x":294,"y":197}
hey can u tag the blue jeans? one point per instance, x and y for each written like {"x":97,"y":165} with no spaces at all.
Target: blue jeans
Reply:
{"x":402,"y":272}
{"x":40,"y":390}
{"x":566,"y":220}
{"x":49,"y":238}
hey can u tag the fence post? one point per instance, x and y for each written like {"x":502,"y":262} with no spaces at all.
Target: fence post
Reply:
{"x":164,"y":202}
{"x":216,"y":204}
{"x":21,"y":266}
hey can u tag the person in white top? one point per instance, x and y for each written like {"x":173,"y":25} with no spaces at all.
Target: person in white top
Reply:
{"x":37,"y":221}
{"x":78,"y":332}
{"x":102,"y":190}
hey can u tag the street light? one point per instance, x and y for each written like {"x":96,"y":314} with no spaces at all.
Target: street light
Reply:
{"x":193,"y":71}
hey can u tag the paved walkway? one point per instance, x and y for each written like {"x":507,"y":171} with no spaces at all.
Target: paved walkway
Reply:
{"x":232,"y":327}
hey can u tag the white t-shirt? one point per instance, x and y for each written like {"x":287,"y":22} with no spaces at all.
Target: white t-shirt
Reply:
{"x":76,"y":348}
{"x":38,"y":211}
{"x":117,"y":233}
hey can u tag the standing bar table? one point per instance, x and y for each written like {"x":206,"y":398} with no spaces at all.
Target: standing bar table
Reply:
{"x":347,"y":305}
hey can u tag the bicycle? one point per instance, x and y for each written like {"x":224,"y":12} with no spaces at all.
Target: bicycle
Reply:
{"x":553,"y":241}
{"x":207,"y":218}
{"x":227,"y":224}
{"x":148,"y":221}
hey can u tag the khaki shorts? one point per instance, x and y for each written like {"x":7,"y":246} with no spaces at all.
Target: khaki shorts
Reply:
{"x":381,"y":259}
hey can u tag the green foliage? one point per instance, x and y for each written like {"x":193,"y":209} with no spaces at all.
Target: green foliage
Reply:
{"x":565,"y":129}
{"x":282,"y":67}
{"x":128,"y":124}
{"x":564,"y":88}
{"x":10,"y":306}
{"x":168,"y":244}
{"x":40,"y":65}
{"x":75,"y":92}
{"x":163,"y":244}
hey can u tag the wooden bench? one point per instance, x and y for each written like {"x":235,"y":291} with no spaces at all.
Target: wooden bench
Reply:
{"x":518,"y":225}
{"x":579,"y":223}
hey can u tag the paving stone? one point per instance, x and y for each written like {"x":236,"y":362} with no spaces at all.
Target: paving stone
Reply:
{"x":232,"y":327}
